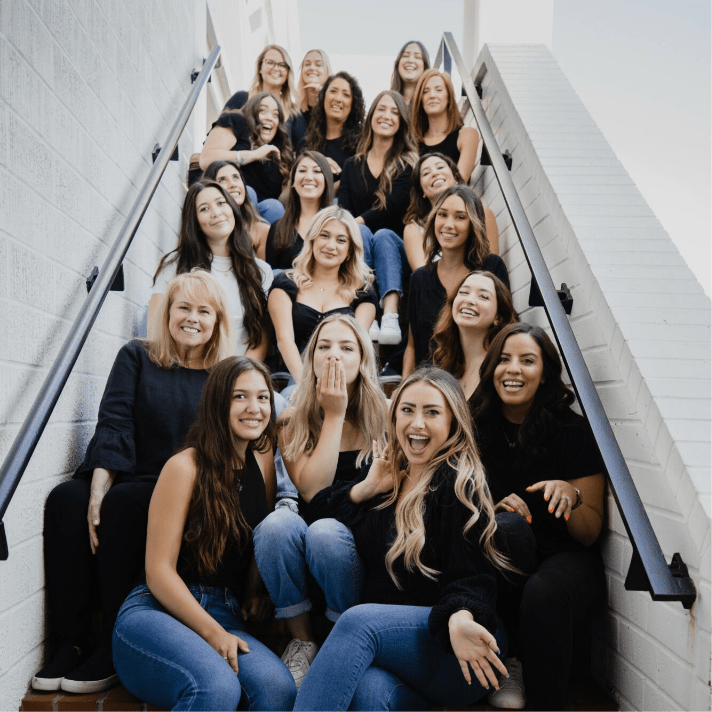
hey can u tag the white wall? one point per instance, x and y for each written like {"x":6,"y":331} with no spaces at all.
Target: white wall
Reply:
{"x":642,"y":322}
{"x":86,"y":90}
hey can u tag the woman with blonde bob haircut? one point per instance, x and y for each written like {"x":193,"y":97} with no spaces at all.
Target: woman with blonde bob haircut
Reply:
{"x":338,"y":411}
{"x":329,"y":276}
{"x":424,"y":526}
{"x":150,"y":400}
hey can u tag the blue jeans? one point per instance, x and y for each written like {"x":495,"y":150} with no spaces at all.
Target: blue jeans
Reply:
{"x":285,"y":548}
{"x":367,"y":239}
{"x":389,"y":262}
{"x":285,"y":486}
{"x":270,"y":209}
{"x":164,"y":662}
{"x":383,"y":657}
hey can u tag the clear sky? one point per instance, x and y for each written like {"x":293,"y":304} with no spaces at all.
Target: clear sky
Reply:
{"x":642,"y":67}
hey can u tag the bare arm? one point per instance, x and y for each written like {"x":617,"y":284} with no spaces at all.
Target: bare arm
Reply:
{"x":167,"y":516}
{"x":413,"y":242}
{"x":151,"y":327}
{"x":260,"y":351}
{"x":101,"y":482}
{"x":408,"y":357}
{"x":365,"y":314}
{"x":467,"y":142}
{"x":259,"y":239}
{"x":492,"y":231}
{"x":280,"y":309}
{"x":219,"y":145}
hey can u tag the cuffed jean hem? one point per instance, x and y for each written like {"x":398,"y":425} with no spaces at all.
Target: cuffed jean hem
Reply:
{"x":291,"y":611}
{"x":333,"y":616}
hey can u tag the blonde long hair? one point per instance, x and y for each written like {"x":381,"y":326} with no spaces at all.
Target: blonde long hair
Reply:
{"x":198,"y":286}
{"x":366,"y":409}
{"x":354,"y":273}
{"x":301,"y":91}
{"x":459,"y":451}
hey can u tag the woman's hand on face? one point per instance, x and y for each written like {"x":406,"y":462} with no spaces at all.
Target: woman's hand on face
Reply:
{"x":265,"y":151}
{"x":257,"y":608}
{"x":228,"y":645}
{"x":101,"y":482}
{"x":475,"y":647}
{"x":560,"y":495}
{"x":331,"y":391}
{"x":314,"y":86}
{"x":514,"y":503}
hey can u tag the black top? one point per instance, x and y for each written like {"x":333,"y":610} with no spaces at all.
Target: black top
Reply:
{"x":263,"y":176}
{"x":346,"y":471}
{"x":357,"y":194}
{"x":144,"y":416}
{"x":334,"y":150}
{"x":448,"y":146}
{"x":232,"y":569}
{"x":296,"y":126}
{"x":305,"y":318}
{"x":284,"y":258}
{"x":570,"y":453}
{"x":426,"y":298}
{"x":467,"y":577}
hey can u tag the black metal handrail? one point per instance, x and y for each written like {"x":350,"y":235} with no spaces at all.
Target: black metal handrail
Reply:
{"x":648,"y":570}
{"x":29,"y":435}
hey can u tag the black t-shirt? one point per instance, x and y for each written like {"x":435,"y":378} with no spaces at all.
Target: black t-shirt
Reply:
{"x":570,"y":453}
{"x":263,"y":176}
{"x":284,"y":258}
{"x":427,"y":296}
{"x":334,"y":150}
{"x":357,"y":194}
{"x":305,"y":318}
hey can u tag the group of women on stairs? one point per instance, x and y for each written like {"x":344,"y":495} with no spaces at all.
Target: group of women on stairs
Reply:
{"x":447,"y":534}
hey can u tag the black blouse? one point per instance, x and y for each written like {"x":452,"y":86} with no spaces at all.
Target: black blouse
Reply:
{"x":233,"y":567}
{"x":571,"y":453}
{"x":263,"y":176}
{"x":144,"y":416}
{"x":466,"y":579}
{"x":357,"y":194}
{"x":305,"y":318}
{"x":426,"y":298}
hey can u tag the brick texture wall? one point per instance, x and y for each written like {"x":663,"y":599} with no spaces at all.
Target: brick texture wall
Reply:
{"x":87,"y":88}
{"x":642,"y":322}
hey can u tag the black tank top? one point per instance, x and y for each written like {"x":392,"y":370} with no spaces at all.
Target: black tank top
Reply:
{"x":448,"y":147}
{"x":232,"y":569}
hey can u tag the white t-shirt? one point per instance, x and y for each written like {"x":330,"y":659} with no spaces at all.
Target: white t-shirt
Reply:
{"x":221,"y":270}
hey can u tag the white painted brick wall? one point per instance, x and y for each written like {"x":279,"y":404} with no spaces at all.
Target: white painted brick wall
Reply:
{"x":643,"y":324}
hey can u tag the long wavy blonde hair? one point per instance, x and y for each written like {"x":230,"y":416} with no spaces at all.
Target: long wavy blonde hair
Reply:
{"x":366,"y":409}
{"x":459,"y":451}
{"x":289,"y":93}
{"x":354,"y":273}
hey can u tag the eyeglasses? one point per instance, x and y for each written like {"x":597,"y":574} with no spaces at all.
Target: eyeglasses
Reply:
{"x":271,"y":64}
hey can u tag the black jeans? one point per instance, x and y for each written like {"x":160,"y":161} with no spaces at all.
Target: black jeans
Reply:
{"x":557,"y":604}
{"x":71,"y":569}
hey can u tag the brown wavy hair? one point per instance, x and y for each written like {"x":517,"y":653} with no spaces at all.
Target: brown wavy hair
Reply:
{"x":402,"y":153}
{"x":477,"y":245}
{"x":396,"y":81}
{"x":419,"y":121}
{"x":192,"y":251}
{"x":214,"y":515}
{"x":446,"y":345}
{"x":420,"y":206}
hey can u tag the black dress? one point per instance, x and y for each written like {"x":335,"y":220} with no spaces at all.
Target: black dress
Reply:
{"x":448,"y":146}
{"x":282,"y":259}
{"x":426,"y":298}
{"x":305,"y":318}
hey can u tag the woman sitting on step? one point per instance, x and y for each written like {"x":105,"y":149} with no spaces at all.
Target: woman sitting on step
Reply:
{"x":150,"y":400}
{"x":338,"y":410}
{"x":424,"y":527}
{"x":180,"y":640}
{"x":329,"y":276}
{"x":542,"y":464}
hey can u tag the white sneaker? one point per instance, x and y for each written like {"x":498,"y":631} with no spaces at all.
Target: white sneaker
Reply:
{"x":511,"y":694}
{"x":298,"y":656}
{"x":374,"y":333}
{"x":390,"y":330}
